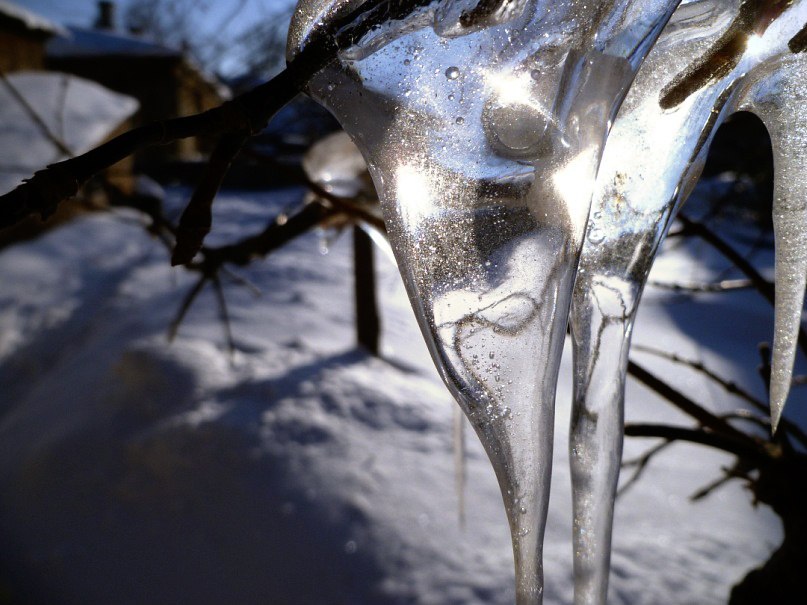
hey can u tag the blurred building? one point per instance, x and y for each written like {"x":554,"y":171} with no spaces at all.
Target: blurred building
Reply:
{"x":23,"y":36}
{"x":165,"y":82}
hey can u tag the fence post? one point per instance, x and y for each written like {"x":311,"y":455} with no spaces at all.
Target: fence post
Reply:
{"x":368,"y":324}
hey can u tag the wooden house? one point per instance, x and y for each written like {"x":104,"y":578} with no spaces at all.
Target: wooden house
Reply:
{"x":165,"y":82}
{"x":23,"y":36}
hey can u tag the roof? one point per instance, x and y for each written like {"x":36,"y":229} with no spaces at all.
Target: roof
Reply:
{"x":28,"y":20}
{"x":83,"y":42}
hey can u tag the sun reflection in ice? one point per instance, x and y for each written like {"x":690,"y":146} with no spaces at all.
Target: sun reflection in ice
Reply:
{"x":574,"y":182}
{"x":414,"y":193}
{"x":754,"y":46}
{"x":510,"y":87}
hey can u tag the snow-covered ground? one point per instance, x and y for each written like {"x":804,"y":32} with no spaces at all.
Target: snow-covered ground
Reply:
{"x":300,"y":470}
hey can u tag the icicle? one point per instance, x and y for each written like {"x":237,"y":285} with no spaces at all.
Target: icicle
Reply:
{"x":483,"y":129}
{"x":459,"y":463}
{"x":652,"y":158}
{"x":777,"y":93}
{"x":483,"y":125}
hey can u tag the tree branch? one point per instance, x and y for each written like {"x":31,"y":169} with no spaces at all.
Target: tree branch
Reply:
{"x":689,"y":407}
{"x":700,"y":436}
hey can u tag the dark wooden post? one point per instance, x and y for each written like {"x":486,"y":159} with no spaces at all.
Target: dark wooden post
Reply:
{"x":368,"y":324}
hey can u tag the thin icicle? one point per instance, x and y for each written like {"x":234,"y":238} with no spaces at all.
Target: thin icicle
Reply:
{"x":602,"y":316}
{"x":651,"y":160}
{"x":459,"y":463}
{"x":777,"y":93}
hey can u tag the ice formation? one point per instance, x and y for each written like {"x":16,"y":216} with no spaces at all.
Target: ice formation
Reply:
{"x":529,"y":156}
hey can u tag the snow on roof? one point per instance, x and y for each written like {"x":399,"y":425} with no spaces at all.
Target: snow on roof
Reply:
{"x":83,"y":42}
{"x":80,"y":114}
{"x":28,"y":19}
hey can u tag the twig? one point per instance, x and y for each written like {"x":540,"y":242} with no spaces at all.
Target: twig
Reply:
{"x":729,"y":386}
{"x":197,"y":218}
{"x":689,"y":407}
{"x":640,"y":464}
{"x":274,"y":236}
{"x":725,"y":285}
{"x":187,"y":302}
{"x":738,"y":471}
{"x":224,"y":314}
{"x":349,"y":206}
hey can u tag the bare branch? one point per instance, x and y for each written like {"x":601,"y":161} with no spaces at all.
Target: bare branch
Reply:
{"x":187,"y":303}
{"x":729,"y":386}
{"x":197,"y":218}
{"x":689,"y":407}
{"x":699,"y":436}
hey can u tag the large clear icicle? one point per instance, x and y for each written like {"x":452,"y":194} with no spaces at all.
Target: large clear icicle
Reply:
{"x":482,"y":127}
{"x":651,"y":160}
{"x":777,"y":93}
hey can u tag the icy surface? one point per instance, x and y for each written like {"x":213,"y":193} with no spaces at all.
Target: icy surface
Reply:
{"x":302,"y":471}
{"x":483,"y":125}
{"x":76,"y":112}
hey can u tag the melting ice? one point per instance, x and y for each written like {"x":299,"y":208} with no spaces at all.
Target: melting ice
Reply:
{"x":527,"y":176}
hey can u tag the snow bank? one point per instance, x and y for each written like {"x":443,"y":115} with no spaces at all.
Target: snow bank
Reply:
{"x":300,"y":470}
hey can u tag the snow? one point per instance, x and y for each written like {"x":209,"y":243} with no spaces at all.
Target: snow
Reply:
{"x":78,"y":112}
{"x":300,"y":470}
{"x":30,"y":20}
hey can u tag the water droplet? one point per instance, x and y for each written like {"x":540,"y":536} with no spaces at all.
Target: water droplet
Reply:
{"x":407,"y":61}
{"x":350,"y":547}
{"x":596,"y":236}
{"x":452,"y":73}
{"x":518,"y":129}
{"x":536,"y":74}
{"x":451,"y":97}
{"x":460,"y":120}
